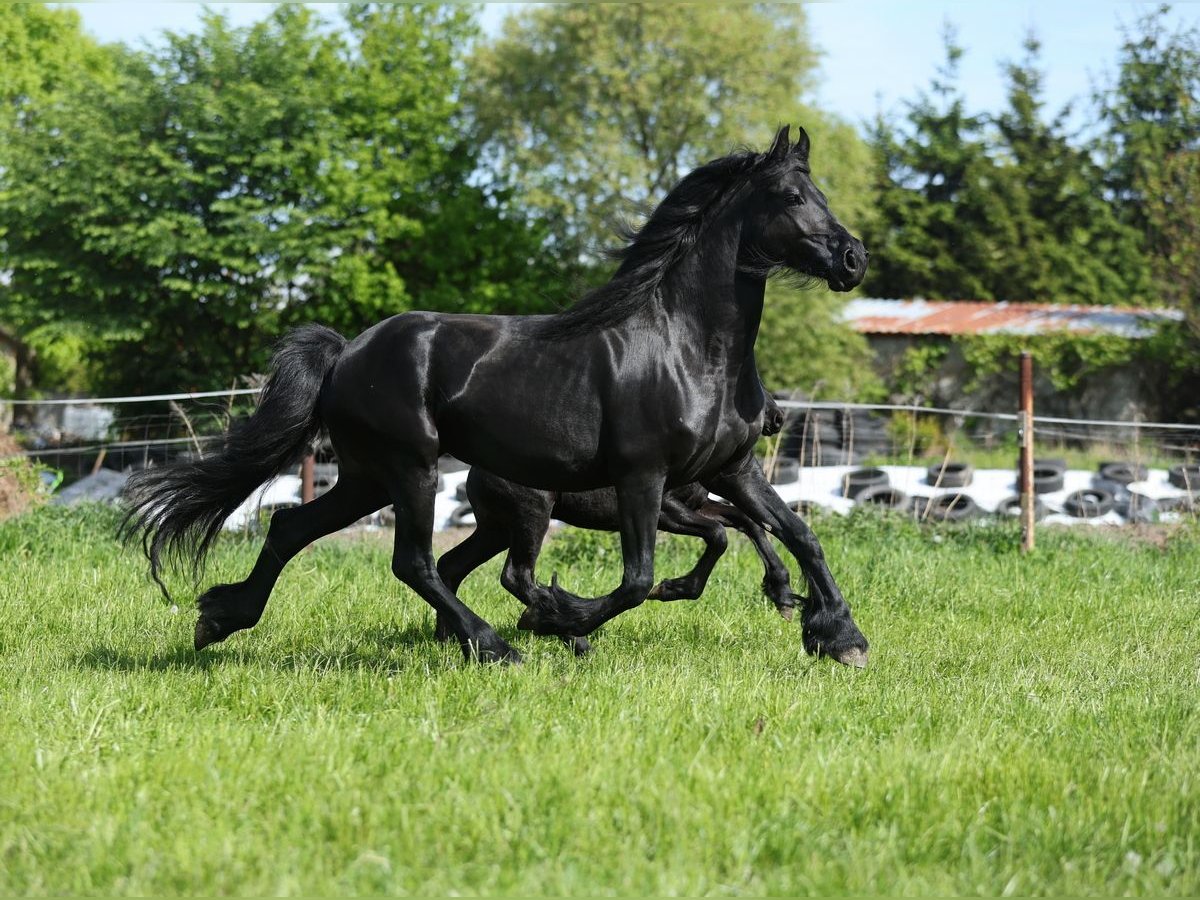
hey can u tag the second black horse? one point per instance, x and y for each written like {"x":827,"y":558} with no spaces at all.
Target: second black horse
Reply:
{"x":514,"y":518}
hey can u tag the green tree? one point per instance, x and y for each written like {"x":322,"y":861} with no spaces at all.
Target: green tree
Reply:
{"x":46,"y":56}
{"x":938,"y":225}
{"x":1151,"y":110}
{"x":1064,"y":242}
{"x":240,"y":180}
{"x":597,"y":109}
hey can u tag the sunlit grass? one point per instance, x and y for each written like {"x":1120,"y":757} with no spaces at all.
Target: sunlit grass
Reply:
{"x":1026,"y":725}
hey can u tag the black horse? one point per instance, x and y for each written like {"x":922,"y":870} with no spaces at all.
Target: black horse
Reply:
{"x":514,"y":518}
{"x":646,"y":383}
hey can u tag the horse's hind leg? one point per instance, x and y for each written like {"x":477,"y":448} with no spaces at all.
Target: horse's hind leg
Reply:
{"x":412,"y":491}
{"x":518,"y":576}
{"x":777,"y":581}
{"x":226,"y":608}
{"x":460,"y":561}
{"x":677,"y":518}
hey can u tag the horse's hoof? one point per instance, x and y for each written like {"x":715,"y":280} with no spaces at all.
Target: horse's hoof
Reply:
{"x":787,"y":612}
{"x":207,"y":632}
{"x":581,"y":646}
{"x":853,"y":657}
{"x":495,"y":651}
{"x":655,"y":592}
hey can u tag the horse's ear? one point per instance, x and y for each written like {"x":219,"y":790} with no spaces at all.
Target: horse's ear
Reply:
{"x":800,"y":148}
{"x":779,"y":147}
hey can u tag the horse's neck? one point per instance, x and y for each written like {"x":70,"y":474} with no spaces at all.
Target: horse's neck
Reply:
{"x":717,"y":307}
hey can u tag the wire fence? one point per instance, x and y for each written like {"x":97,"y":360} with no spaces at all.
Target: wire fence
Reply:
{"x":921,"y":451}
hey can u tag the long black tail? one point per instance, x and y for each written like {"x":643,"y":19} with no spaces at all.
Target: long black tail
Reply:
{"x":179,"y":509}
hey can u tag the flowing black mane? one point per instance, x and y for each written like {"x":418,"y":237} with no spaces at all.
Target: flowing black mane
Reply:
{"x":672,"y":230}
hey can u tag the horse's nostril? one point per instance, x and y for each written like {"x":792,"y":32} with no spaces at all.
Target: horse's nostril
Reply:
{"x":850,"y":260}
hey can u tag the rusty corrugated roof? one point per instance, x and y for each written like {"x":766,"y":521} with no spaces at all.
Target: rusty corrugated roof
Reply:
{"x":870,"y":316}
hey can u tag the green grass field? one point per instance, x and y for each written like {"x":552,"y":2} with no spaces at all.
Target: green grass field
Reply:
{"x":1027,"y":726}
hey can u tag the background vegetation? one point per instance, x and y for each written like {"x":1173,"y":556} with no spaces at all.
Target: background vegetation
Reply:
{"x":164,"y":212}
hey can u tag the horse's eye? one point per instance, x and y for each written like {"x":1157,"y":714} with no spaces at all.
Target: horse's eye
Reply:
{"x":794,"y":198}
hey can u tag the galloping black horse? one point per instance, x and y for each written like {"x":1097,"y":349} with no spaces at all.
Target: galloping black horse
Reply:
{"x":514,"y":518}
{"x":646,"y":383}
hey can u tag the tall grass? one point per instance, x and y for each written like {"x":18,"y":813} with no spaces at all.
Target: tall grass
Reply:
{"x":1026,"y":726}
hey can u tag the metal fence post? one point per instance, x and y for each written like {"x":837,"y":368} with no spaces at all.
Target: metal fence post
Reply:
{"x":1025,"y":433}
{"x":307,"y":470}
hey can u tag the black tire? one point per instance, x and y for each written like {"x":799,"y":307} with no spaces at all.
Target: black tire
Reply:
{"x":1122,"y":473}
{"x":1010,"y":508}
{"x":1186,"y":477}
{"x":945,"y":508}
{"x":458,"y":517}
{"x":1047,"y":479}
{"x":1187,"y":503}
{"x":1088,"y":504}
{"x":854,"y":483}
{"x":1138,"y":508}
{"x":884,"y":496}
{"x":785,"y":471}
{"x":1058,"y":465}
{"x":950,"y":475}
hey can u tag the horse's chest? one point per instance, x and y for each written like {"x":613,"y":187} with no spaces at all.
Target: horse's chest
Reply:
{"x":707,"y":443}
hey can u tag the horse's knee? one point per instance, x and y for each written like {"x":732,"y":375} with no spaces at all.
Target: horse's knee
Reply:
{"x":413,"y":569}
{"x":286,"y":533}
{"x":514,"y":580}
{"x":716,"y":538}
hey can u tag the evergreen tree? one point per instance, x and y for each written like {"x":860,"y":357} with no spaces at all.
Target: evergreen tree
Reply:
{"x":1062,"y":240}
{"x":937,"y":216}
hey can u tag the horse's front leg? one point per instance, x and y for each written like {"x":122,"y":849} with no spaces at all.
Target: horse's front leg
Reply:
{"x":553,"y":610}
{"x":828,"y":626}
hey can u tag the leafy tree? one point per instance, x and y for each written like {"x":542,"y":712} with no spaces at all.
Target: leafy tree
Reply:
{"x":1151,"y":110}
{"x":1152,"y":113}
{"x":46,"y":56}
{"x":1000,"y":207}
{"x":595,"y":108}
{"x":240,"y":180}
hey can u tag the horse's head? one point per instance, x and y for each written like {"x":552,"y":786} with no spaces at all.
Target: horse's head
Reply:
{"x":788,"y":223}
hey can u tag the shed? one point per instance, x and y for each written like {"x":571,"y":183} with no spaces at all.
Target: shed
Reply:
{"x":893,"y":327}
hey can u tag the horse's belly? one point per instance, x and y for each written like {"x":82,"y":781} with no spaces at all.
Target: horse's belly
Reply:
{"x":541,"y":448}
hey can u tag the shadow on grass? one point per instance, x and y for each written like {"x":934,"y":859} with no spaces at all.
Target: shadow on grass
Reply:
{"x":372,"y":649}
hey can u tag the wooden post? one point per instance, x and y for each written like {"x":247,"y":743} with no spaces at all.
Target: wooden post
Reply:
{"x":1025,"y":434}
{"x":307,"y":470}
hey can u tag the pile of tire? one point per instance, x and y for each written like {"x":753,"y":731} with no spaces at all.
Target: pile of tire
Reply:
{"x":1010,"y":508}
{"x":834,"y":437}
{"x":871,"y":487}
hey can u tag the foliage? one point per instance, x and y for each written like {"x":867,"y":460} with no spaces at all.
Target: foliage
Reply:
{"x":593,"y":107}
{"x":240,"y":180}
{"x":1015,"y":730}
{"x":1065,"y":358}
{"x":916,"y":435}
{"x":1151,"y":111}
{"x":804,"y":345}
{"x":994,"y":208}
{"x":916,"y":371}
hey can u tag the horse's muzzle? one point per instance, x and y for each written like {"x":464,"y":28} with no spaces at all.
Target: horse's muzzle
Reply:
{"x":849,"y":264}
